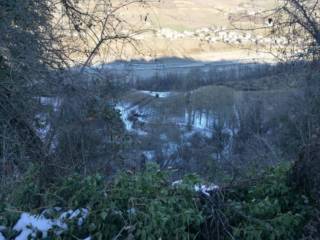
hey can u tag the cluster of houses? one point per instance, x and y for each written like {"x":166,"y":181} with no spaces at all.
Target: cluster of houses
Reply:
{"x":220,"y":34}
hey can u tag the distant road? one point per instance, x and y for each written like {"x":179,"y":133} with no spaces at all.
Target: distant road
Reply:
{"x":177,"y":65}
{"x":144,"y":69}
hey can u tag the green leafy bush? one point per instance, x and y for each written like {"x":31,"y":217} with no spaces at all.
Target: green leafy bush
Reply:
{"x":146,"y":205}
{"x":270,"y":209}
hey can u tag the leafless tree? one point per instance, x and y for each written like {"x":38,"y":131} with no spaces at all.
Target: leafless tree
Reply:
{"x":298,"y":21}
{"x":289,"y":31}
{"x":42,"y":46}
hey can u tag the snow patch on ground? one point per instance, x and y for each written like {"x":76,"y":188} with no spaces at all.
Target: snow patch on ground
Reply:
{"x":129,"y":115}
{"x":2,"y":237}
{"x":150,"y":155}
{"x":140,"y":132}
{"x":28,"y":225}
{"x":51,"y":101}
{"x":169,"y":149}
{"x":44,"y":127}
{"x":158,"y":94}
{"x":124,"y":114}
{"x":163,"y":137}
{"x":202,"y":188}
{"x":205,"y":189}
{"x":177,"y":183}
{"x":80,"y":214}
{"x":199,"y":119}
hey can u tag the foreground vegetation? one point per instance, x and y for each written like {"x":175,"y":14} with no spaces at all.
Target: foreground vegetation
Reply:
{"x":146,"y":205}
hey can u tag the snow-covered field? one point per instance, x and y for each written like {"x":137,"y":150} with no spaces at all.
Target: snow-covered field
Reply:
{"x":196,"y":121}
{"x":158,"y":94}
{"x":160,"y":114}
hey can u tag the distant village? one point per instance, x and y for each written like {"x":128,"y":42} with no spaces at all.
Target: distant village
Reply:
{"x":221,"y":34}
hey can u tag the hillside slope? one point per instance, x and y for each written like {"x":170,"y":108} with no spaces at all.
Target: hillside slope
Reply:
{"x":193,"y":28}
